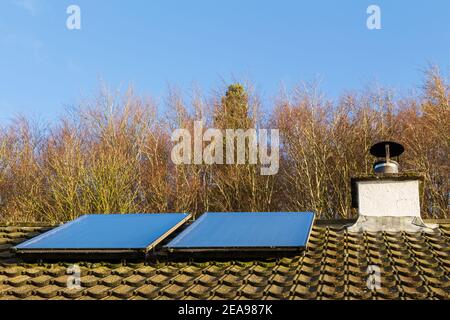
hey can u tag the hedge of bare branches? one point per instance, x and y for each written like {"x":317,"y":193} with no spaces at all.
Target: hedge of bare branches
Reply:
{"x":112,"y":154}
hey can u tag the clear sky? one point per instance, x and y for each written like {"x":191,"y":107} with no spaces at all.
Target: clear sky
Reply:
{"x":151,"y":43}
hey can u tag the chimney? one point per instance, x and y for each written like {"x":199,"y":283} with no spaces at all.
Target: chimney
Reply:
{"x":388,"y":200}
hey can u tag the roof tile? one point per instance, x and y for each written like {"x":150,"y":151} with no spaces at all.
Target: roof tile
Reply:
{"x":146,"y":271}
{"x":18,"y":280}
{"x":90,"y":281}
{"x":34,"y":271}
{"x":439,"y":293}
{"x":159,"y":280}
{"x":135,"y":280}
{"x":147,"y":291}
{"x":47,"y":291}
{"x":192,"y":271}
{"x":305,"y":292}
{"x":388,"y":292}
{"x":199,"y":291}
{"x":72,"y":293}
{"x":111,"y":281}
{"x":259,"y":281}
{"x":123,"y":271}
{"x":98,"y":292}
{"x":41,"y":281}
{"x":278,"y":292}
{"x":184,"y":280}
{"x":252,"y":292}
{"x":173,"y":291}
{"x":23,"y":291}
{"x":101,"y":271}
{"x":55,"y":271}
{"x":208,"y":280}
{"x":415,"y":293}
{"x":334,"y":266}
{"x":225,"y":291}
{"x":123,"y":291}
{"x":232,"y":281}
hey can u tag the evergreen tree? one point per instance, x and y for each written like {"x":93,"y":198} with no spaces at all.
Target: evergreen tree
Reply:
{"x":232,"y":113}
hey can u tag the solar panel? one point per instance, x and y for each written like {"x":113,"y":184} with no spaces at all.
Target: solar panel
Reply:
{"x":226,"y":231}
{"x":106,"y":233}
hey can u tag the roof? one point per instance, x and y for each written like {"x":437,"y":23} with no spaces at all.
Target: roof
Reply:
{"x":334,"y":266}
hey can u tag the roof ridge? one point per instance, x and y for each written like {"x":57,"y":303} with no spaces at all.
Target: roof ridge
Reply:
{"x":317,"y":222}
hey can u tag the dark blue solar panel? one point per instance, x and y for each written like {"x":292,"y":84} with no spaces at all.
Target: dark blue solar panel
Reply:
{"x":107,"y":231}
{"x":246,"y":230}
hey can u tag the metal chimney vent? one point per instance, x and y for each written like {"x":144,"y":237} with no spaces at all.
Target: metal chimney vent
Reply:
{"x":386,"y":150}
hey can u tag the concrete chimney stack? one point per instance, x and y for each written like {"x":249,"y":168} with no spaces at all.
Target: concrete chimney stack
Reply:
{"x":388,"y":200}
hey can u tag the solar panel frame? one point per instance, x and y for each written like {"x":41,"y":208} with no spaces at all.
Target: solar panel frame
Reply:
{"x":23,"y":248}
{"x":173,"y":247}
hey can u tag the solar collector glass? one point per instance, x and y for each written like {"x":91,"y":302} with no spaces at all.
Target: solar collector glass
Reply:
{"x":102,"y":232}
{"x":249,"y":230}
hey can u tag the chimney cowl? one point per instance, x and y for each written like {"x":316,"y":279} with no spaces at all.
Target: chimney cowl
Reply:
{"x":386,"y":150}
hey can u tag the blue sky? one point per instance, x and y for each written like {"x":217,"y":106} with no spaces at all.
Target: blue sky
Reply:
{"x":152,"y":43}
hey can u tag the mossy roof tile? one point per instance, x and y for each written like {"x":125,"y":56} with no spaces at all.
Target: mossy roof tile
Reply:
{"x":159,"y":280}
{"x":111,"y":281}
{"x":135,"y":280}
{"x":148,"y":291}
{"x":123,"y":291}
{"x":23,"y":291}
{"x":334,"y":266}
{"x":98,"y":292}
{"x":72,"y":293}
{"x":173,"y":291}
{"x":18,"y":280}
{"x":226,"y":292}
{"x":252,"y":292}
{"x":146,"y":271}
{"x":47,"y":291}
{"x":41,"y":281}
{"x":89,"y":281}
{"x":199,"y":291}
